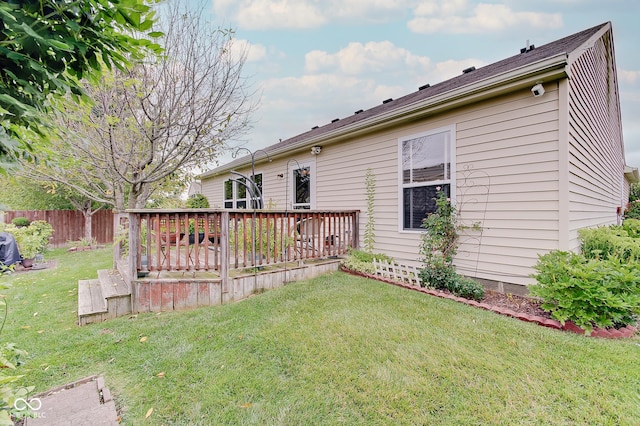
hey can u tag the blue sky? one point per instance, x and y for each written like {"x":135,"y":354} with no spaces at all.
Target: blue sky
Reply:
{"x":312,"y":61}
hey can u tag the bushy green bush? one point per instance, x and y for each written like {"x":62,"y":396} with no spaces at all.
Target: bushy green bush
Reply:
{"x":633,"y":210}
{"x":365,"y":256}
{"x":589,"y":292}
{"x":438,"y":275}
{"x":609,"y":241}
{"x":362,"y":261}
{"x":439,"y":246}
{"x":467,"y":288}
{"x":632,"y":226}
{"x":32,"y":239}
{"x":20,"y":221}
{"x":197,"y":201}
{"x":444,"y":277}
{"x":634,"y":192}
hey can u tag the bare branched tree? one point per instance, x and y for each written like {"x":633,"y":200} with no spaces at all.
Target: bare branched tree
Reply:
{"x":160,"y":119}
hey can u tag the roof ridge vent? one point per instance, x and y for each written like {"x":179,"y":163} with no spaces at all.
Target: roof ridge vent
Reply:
{"x":386,"y":101}
{"x":334,"y":120}
{"x":468,"y":70}
{"x":359,"y":111}
{"x":424,"y":86}
{"x":528,"y":47}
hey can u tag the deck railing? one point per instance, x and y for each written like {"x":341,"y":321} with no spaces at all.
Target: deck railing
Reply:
{"x":220,"y":240}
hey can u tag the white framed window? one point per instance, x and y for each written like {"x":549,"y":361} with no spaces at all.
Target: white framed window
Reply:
{"x":425,"y":167}
{"x":302,"y":178}
{"x":236,"y":195}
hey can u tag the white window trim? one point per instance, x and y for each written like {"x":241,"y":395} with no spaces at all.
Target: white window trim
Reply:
{"x":452,"y":172}
{"x":292,"y":183}
{"x":234,"y":189}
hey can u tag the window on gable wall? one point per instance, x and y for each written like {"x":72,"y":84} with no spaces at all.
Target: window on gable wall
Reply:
{"x":425,"y":168}
{"x":236,"y":195}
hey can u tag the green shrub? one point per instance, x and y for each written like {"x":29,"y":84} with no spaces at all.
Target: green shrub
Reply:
{"x":467,"y":288}
{"x":32,"y":239}
{"x":197,"y":201}
{"x":609,"y":241}
{"x":588,"y":292}
{"x":440,"y":276}
{"x":354,"y":264}
{"x":20,"y":221}
{"x":632,"y":226}
{"x":438,"y":247}
{"x":365,"y":256}
{"x":443,"y":277}
{"x":634,"y":192}
{"x":633,"y":210}
{"x":362,"y":261}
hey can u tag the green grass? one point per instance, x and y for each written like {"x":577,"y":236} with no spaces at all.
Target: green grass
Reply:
{"x":337,"y":349}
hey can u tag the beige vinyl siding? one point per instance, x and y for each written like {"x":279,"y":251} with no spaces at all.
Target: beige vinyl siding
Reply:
{"x":213,"y":190}
{"x":511,"y":146}
{"x":507,"y":162}
{"x":507,"y":179}
{"x":596,"y":156}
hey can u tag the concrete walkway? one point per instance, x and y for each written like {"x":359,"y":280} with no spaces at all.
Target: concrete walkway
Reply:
{"x":85,"y":402}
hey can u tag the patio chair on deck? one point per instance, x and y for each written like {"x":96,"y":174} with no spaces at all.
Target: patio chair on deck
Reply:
{"x":308,"y":241}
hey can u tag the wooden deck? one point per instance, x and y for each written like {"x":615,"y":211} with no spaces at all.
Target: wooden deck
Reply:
{"x":186,"y":258}
{"x":183,"y":290}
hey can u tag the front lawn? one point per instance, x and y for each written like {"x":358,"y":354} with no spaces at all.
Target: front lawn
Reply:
{"x":337,"y":349}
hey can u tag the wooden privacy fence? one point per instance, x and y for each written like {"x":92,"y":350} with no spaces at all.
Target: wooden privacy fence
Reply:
{"x":68,"y":225}
{"x":219,"y":240}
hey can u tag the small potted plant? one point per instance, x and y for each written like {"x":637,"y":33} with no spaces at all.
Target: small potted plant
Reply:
{"x":31,"y":240}
{"x":29,"y":245}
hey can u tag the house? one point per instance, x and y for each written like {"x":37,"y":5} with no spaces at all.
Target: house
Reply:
{"x":530,"y":148}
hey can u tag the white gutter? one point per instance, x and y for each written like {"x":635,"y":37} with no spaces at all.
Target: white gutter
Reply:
{"x":631,"y":174}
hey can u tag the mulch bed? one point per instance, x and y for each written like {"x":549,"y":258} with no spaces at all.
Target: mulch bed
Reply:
{"x":521,"y":304}
{"x":520,"y":307}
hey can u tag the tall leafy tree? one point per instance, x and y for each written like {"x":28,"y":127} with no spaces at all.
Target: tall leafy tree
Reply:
{"x":159,"y":119}
{"x":22,"y":193}
{"x":47,"y":47}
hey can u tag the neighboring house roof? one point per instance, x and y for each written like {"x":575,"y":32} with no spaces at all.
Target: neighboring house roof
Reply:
{"x":195,"y":187}
{"x":631,"y":174}
{"x":545,"y":62}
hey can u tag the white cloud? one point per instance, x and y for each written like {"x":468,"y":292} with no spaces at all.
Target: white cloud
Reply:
{"x":270,"y":14}
{"x":458,"y":16}
{"x":254,"y":52}
{"x":301,"y":14}
{"x":628,"y":76}
{"x":358,"y":58}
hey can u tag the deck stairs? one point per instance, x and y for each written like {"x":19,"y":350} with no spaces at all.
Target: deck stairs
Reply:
{"x":106,"y":297}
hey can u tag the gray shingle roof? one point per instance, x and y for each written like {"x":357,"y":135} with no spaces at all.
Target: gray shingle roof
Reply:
{"x":564,"y":45}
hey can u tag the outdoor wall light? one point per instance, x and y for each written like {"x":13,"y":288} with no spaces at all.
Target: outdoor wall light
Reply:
{"x":537,"y":90}
{"x":315,"y":150}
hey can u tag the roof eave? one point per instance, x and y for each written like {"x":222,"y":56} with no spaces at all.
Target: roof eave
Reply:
{"x":631,"y":174}
{"x":548,"y":69}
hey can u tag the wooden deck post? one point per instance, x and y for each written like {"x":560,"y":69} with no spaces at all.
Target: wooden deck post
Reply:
{"x":224,"y":251}
{"x":134,"y":242}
